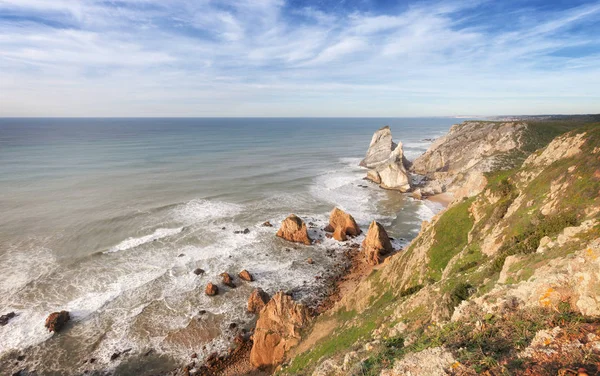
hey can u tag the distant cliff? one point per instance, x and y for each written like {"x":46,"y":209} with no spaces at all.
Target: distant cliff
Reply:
{"x":504,"y":281}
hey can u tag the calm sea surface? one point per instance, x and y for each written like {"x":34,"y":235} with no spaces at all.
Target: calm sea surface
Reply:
{"x":107,"y":218}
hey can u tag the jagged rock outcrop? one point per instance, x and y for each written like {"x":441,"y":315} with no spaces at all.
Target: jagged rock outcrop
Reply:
{"x":386,"y":162}
{"x":57,"y":320}
{"x":277,"y":330}
{"x":294,"y":229}
{"x":342,"y":224}
{"x":459,"y":159}
{"x":257,"y":301}
{"x":376,"y":244}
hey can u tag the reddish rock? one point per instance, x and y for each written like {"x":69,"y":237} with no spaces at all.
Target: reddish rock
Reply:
{"x":227,"y":280}
{"x":57,"y":320}
{"x":342,"y":224}
{"x":257,"y":301}
{"x":246,"y":276}
{"x":310,"y":261}
{"x":376,"y":244}
{"x":277,"y":330}
{"x":294,"y":229}
{"x":211,"y":289}
{"x":267,"y":224}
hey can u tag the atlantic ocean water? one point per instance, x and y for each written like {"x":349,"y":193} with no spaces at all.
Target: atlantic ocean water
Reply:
{"x":108,"y":219}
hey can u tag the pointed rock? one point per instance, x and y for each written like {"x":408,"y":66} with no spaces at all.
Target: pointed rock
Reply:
{"x":277,"y":330}
{"x":376,"y":244}
{"x":257,"y":301}
{"x":246,"y":276}
{"x":294,"y":229}
{"x":392,"y":173}
{"x":379,"y":149}
{"x":342,"y":224}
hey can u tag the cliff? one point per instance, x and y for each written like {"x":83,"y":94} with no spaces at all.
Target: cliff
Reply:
{"x":504,"y":281}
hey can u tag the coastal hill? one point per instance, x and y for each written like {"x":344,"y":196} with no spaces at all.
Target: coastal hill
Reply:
{"x":504,"y":281}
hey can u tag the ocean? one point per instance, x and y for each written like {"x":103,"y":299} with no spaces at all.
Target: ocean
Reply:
{"x":108,"y":218}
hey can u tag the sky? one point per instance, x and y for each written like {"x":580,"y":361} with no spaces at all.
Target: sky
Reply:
{"x":298,"y":58}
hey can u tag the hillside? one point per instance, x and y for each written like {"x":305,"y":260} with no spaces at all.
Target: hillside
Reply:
{"x":504,"y":281}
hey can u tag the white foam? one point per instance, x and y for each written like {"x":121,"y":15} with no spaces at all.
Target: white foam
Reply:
{"x":203,"y":210}
{"x":133,"y":242}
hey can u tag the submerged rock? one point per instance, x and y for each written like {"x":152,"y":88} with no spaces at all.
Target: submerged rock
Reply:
{"x":267,"y":224}
{"x":342,"y":224}
{"x":277,"y":330}
{"x":57,"y":320}
{"x":246,"y":276}
{"x":198,"y":271}
{"x":376,"y":244}
{"x":257,"y":301}
{"x":227,"y":280}
{"x":4,"y":319}
{"x":211,"y":289}
{"x":294,"y":229}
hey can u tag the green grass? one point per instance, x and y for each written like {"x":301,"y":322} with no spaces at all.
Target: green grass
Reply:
{"x":451,"y":235}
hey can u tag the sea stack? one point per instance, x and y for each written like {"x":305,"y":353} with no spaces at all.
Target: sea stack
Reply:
{"x":294,"y":229}
{"x":342,"y":224}
{"x":386,"y":162}
{"x":376,"y":244}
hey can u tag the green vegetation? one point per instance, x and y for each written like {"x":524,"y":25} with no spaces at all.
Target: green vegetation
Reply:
{"x":490,"y":342}
{"x":451,"y":235}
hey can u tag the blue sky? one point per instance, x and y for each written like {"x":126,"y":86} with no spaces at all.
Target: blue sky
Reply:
{"x":298,"y":57}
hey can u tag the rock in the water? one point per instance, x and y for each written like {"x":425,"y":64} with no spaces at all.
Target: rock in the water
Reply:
{"x":310,"y":261}
{"x":392,"y":173}
{"x":376,"y":244}
{"x":246,"y":276}
{"x":294,"y":229}
{"x":57,"y":320}
{"x":227,"y":280}
{"x":198,"y":271}
{"x":257,"y":301}
{"x":277,"y":330}
{"x":211,"y":289}
{"x":417,"y":194}
{"x":267,"y":224}
{"x":4,"y":319}
{"x":379,"y":149}
{"x":342,"y":224}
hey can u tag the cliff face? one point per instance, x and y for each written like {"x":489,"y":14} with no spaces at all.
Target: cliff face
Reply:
{"x":506,"y":281}
{"x":457,"y":161}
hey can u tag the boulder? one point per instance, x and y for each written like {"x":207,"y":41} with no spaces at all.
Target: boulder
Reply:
{"x":277,"y":330}
{"x":267,"y":224}
{"x":342,"y":224}
{"x":57,"y":320}
{"x":211,"y":289}
{"x":376,"y":244}
{"x":257,"y":301}
{"x":227,"y":280}
{"x":379,"y":149}
{"x":294,"y":229}
{"x":246,"y":276}
{"x":4,"y":319}
{"x":198,"y":271}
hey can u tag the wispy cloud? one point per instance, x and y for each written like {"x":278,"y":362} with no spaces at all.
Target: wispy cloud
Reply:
{"x":274,"y":58}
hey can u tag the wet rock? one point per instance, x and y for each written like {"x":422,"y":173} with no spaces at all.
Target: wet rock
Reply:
{"x":227,"y":280}
{"x":92,"y":360}
{"x":115,"y":356}
{"x":232,"y":326}
{"x":57,"y":320}
{"x":202,"y":312}
{"x":4,"y":319}
{"x":198,"y":271}
{"x":277,"y":330}
{"x":376,"y":244}
{"x":244,"y":231}
{"x":20,"y":358}
{"x":267,"y":224}
{"x":258,"y":299}
{"x":194,"y":356}
{"x":211,"y":289}
{"x":246,"y":276}
{"x":310,"y":261}
{"x":294,"y":229}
